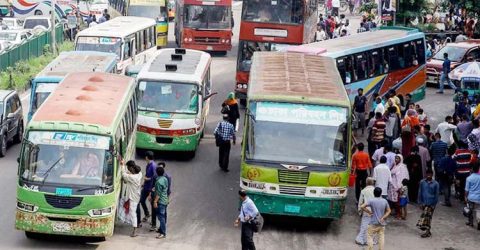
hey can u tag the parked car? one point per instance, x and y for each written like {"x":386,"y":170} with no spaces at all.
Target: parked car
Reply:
{"x":13,"y":23}
{"x":14,"y":36}
{"x":11,"y":119}
{"x":34,"y":22}
{"x":458,"y":53}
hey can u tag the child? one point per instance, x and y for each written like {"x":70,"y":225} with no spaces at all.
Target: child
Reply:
{"x":403,"y":194}
{"x":422,"y":117}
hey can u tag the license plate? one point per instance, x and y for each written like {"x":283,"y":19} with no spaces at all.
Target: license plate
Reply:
{"x":292,"y":209}
{"x":61,"y":227}
{"x":209,"y":48}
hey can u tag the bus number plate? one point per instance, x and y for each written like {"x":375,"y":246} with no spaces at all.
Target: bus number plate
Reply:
{"x":292,"y":209}
{"x":61,"y":227}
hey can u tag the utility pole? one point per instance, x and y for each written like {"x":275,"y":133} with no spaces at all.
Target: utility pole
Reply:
{"x":53,"y":36}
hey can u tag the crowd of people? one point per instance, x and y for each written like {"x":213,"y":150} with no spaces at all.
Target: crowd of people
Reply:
{"x":410,"y":163}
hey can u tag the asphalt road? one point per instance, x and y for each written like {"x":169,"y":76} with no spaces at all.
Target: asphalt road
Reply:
{"x":204,"y":202}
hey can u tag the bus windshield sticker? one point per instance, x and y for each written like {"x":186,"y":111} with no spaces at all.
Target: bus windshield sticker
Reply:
{"x":108,"y":40}
{"x":166,"y":90}
{"x":68,"y":139}
{"x":301,"y":114}
{"x":63,"y":191}
{"x":142,"y":86}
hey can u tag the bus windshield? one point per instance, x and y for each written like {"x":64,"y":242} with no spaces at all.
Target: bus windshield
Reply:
{"x":151,"y":11}
{"x":455,"y":54}
{"x":168,"y":97}
{"x":207,"y":17}
{"x":273,"y":11}
{"x":42,"y":91}
{"x":102,"y":44}
{"x":67,"y":159}
{"x":303,"y":134}
{"x":247,"y":49}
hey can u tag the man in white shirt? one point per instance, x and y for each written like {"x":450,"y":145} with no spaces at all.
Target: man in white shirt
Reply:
{"x":382,"y":176}
{"x":380,"y":108}
{"x":335,"y":7}
{"x":377,"y":155}
{"x":446,"y":130}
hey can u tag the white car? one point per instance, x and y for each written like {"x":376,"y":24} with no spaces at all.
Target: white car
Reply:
{"x":34,"y":22}
{"x":12,"y":23}
{"x":14,"y":36}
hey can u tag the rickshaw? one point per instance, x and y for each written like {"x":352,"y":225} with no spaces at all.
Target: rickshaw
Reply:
{"x":470,"y":89}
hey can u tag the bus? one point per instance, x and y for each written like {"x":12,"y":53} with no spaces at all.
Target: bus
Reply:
{"x":271,"y":26}
{"x":204,"y":25}
{"x":26,"y":8}
{"x":67,"y":62}
{"x":297,"y":136}
{"x":378,"y":61}
{"x":155,"y":9}
{"x":175,"y":87}
{"x":68,"y":179}
{"x":132,"y":39}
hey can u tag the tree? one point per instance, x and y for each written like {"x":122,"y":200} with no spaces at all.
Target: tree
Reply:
{"x":471,"y":7}
{"x":409,"y":9}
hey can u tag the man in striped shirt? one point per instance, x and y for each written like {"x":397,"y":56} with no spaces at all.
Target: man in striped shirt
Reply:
{"x":377,"y":135}
{"x":464,"y":158}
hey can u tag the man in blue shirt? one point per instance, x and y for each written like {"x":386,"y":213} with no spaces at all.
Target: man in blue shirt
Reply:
{"x":472,"y":194}
{"x":427,"y":199}
{"x":148,"y":183}
{"x":438,"y":149}
{"x":248,"y":211}
{"x":444,"y":76}
{"x":380,"y":210}
{"x":225,"y":132}
{"x":445,"y":172}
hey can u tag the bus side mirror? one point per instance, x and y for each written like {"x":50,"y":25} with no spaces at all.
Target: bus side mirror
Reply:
{"x":208,"y":96}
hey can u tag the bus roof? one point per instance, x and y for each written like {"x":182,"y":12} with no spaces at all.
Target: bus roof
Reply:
{"x":121,"y":26}
{"x":87,"y":98}
{"x":79,"y":61}
{"x":297,"y":76}
{"x":368,"y":40}
{"x":190,"y":66}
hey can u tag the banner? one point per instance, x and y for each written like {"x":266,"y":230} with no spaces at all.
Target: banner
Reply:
{"x":387,"y":9}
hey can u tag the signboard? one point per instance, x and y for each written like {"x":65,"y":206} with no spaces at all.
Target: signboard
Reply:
{"x":68,"y":139}
{"x":387,"y":9}
{"x":270,"y":32}
{"x":301,"y":113}
{"x":98,"y":40}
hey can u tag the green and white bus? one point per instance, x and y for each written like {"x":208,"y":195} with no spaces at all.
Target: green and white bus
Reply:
{"x":296,"y":142}
{"x":175,"y":87}
{"x":69,"y":177}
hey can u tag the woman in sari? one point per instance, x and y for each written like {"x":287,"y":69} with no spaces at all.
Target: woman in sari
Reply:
{"x":408,"y":136}
{"x":399,"y":172}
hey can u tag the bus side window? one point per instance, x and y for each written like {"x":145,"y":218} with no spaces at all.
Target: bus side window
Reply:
{"x":343,"y":71}
{"x":420,"y":46}
{"x":393,"y":58}
{"x":360,"y":66}
{"x":407,"y":55}
{"x":126,"y":50}
{"x":374,"y":65}
{"x":137,"y":42}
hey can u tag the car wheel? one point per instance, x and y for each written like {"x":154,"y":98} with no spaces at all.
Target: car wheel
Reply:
{"x":3,"y":145}
{"x":19,"y":136}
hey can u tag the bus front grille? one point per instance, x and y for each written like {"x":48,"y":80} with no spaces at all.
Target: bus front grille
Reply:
{"x":292,"y":190}
{"x":207,"y":40}
{"x":293,"y":177}
{"x":63,"y":201}
{"x":164,"y":123}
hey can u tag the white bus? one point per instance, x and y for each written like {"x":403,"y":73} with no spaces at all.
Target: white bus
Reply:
{"x":175,"y":87}
{"x":132,"y":39}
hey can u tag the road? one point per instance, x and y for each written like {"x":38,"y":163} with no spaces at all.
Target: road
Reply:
{"x":204,"y":202}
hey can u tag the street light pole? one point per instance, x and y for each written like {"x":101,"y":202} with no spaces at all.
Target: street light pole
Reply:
{"x":53,"y":36}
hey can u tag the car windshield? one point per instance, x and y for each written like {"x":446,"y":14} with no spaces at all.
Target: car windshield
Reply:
{"x":67,"y":159}
{"x":8,"y":36}
{"x":32,"y":23}
{"x":168,"y":97}
{"x":303,"y":134}
{"x":455,"y":54}
{"x":248,"y":48}
{"x":207,"y":17}
{"x":273,"y":11}
{"x":101,"y":44}
{"x":42,"y":91}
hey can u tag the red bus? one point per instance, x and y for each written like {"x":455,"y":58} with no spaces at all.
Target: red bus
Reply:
{"x":272,"y":25}
{"x":204,"y":24}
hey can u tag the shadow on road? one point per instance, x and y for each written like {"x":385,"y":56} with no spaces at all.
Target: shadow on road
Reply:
{"x":296,"y":224}
{"x":63,"y":241}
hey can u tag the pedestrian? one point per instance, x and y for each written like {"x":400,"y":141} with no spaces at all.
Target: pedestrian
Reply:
{"x":378,"y":154}
{"x":422,"y":117}
{"x":464,"y":128}
{"x":392,"y":125}
{"x":361,"y":166}
{"x":105,"y":13}
{"x":162,"y":164}
{"x":359,"y":108}
{"x":148,"y":184}
{"x":365,"y":196}
{"x":132,"y":177}
{"x":335,"y":7}
{"x":224,"y":133}
{"x":464,"y":159}
{"x":379,"y":107}
{"x":89,"y":20}
{"x":102,"y":19}
{"x":161,"y":201}
{"x":408,"y":136}
{"x":390,"y":156}
{"x":248,"y":212}
{"x":377,"y":134}
{"x":382,"y":176}
{"x":414,"y":166}
{"x":445,"y":172}
{"x":444,"y":76}
{"x":472,"y":194}
{"x":408,"y":101}
{"x":403,"y":199}
{"x":379,"y":213}
{"x":446,"y":129}
{"x":399,"y":172}
{"x":230,"y":107}
{"x":473,"y":138}
{"x":427,"y":199}
{"x":438,"y":150}
{"x":462,"y":108}
{"x":424,"y":157}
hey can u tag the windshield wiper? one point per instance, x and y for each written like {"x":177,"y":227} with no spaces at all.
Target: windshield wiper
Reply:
{"x":95,"y":187}
{"x":47,"y":173}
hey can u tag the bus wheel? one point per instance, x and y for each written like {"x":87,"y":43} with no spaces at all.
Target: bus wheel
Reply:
{"x":243,"y":102}
{"x":222,"y":53}
{"x":31,"y":235}
{"x":191,"y":154}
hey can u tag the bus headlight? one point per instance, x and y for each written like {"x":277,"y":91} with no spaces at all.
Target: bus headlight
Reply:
{"x":239,"y":86}
{"x":26,"y":207}
{"x":190,"y":39}
{"x":245,"y":86}
{"x":227,"y":41}
{"x":100,"y":212}
{"x":223,"y":41}
{"x":185,"y":39}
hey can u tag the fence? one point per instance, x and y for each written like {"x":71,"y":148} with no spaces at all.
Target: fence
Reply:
{"x":30,"y":49}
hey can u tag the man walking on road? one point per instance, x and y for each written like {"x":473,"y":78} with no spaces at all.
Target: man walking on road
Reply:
{"x":382,"y":176}
{"x":248,"y":211}
{"x":444,"y":76}
{"x":161,"y":201}
{"x":379,"y":213}
{"x":445,"y":172}
{"x":472,"y":194}
{"x":149,"y":181}
{"x":361,"y":166}
{"x":427,"y":199}
{"x":225,"y":132}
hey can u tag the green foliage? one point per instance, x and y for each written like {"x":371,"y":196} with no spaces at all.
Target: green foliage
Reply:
{"x":368,"y":7}
{"x":411,"y":9}
{"x":17,"y":77}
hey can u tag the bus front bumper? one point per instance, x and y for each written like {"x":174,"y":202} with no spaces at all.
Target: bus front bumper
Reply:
{"x":75,"y":225}
{"x":298,"y":205}
{"x":178,"y":143}
{"x":208,"y":47}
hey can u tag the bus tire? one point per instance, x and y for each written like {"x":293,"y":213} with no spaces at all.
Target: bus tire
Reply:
{"x":222,"y":53}
{"x":191,"y":154}
{"x":243,"y":102}
{"x":31,"y":235}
